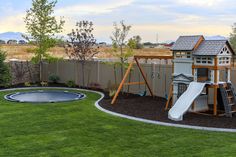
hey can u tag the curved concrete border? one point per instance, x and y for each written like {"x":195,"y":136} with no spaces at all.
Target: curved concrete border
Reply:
{"x":130,"y":117}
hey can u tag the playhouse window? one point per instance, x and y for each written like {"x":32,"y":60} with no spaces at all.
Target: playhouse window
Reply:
{"x":204,"y":60}
{"x":182,"y":55}
{"x":202,"y":74}
{"x":225,"y":51}
{"x":182,"y":87}
{"x":224,"y":60}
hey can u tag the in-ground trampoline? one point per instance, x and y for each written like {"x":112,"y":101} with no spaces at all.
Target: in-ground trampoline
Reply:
{"x":44,"y":96}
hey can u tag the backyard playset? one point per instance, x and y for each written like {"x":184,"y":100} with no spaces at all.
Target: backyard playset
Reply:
{"x":200,"y":79}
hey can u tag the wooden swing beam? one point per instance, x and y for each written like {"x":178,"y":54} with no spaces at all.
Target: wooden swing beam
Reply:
{"x":136,"y":60}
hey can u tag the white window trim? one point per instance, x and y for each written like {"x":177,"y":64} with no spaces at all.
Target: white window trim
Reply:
{"x":199,"y":60}
{"x":224,"y":60}
{"x":183,"y":55}
{"x":225,"y":51}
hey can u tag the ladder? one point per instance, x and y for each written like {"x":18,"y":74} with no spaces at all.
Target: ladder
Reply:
{"x":228,"y":99}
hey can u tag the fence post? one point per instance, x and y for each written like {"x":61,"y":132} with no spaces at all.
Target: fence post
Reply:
{"x":98,"y":71}
{"x":57,"y":72}
{"x":153,"y":75}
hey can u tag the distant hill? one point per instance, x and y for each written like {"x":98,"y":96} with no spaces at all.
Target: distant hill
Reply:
{"x":11,"y":35}
{"x":18,"y":36}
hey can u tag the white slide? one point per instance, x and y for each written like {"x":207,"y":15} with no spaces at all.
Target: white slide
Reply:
{"x":185,"y":101}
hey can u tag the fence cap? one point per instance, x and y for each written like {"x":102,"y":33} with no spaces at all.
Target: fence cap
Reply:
{"x":152,"y":57}
{"x":14,"y":59}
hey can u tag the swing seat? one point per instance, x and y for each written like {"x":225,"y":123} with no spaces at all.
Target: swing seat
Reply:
{"x":144,"y":93}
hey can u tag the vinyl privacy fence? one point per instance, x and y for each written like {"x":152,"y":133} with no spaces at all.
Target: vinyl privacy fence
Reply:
{"x":104,"y":74}
{"x":97,"y":72}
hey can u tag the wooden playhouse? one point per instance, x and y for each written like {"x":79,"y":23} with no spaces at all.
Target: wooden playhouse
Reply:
{"x":196,"y":61}
{"x":207,"y":61}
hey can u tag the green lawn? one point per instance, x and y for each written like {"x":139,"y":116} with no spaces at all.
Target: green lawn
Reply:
{"x":79,"y":129}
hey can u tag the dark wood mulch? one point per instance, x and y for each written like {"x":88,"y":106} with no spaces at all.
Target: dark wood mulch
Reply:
{"x":153,"y":109}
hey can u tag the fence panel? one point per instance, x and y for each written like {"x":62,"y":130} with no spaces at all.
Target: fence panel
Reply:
{"x":66,"y":71}
{"x":159,"y":75}
{"x":23,"y":71}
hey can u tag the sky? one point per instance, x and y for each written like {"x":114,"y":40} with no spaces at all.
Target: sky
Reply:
{"x":167,"y":18}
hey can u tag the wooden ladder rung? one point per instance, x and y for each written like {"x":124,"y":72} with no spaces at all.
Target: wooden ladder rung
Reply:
{"x":233,"y":111}
{"x":232,"y":104}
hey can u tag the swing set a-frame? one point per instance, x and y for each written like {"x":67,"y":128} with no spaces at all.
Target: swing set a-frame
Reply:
{"x":136,"y":60}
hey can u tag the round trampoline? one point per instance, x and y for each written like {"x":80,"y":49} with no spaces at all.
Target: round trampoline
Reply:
{"x":44,"y":96}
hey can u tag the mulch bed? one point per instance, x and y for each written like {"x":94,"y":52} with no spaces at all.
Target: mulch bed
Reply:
{"x":153,"y":109}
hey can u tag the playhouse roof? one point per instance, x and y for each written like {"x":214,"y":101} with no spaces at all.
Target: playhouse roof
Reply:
{"x":186,"y":43}
{"x":212,"y":47}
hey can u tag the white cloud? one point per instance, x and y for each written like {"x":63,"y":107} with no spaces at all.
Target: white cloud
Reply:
{"x":201,"y":3}
{"x":13,"y":23}
{"x":172,"y":31}
{"x":97,"y":8}
{"x":183,"y":18}
{"x":169,"y":20}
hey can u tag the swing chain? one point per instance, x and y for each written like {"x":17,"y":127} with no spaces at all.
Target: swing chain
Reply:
{"x":155,"y":74}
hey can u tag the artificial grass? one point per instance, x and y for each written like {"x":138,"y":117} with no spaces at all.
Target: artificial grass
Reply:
{"x":79,"y":129}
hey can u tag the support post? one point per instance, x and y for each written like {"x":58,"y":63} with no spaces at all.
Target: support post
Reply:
{"x":122,"y":82}
{"x":216,"y":81}
{"x":215,"y":101}
{"x":229,"y":75}
{"x":195,"y":74}
{"x":195,"y":79}
{"x":169,"y":97}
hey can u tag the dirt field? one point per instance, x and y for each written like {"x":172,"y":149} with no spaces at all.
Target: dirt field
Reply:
{"x":24,"y":52}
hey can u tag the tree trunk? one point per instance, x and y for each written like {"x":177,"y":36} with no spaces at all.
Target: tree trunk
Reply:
{"x":122,"y":62}
{"x":40,"y":65}
{"x":129,"y":81}
{"x":114,"y":68}
{"x":89,"y":75}
{"x":83,"y":74}
{"x":40,"y":70}
{"x":122,"y":66}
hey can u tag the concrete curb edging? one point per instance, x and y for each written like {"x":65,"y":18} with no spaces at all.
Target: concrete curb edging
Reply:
{"x":130,"y":117}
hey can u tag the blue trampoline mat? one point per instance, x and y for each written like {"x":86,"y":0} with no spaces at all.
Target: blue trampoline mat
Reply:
{"x":44,"y":96}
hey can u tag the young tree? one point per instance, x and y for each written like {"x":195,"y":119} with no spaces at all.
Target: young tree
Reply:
{"x":81,"y":45}
{"x":120,"y":47}
{"x":233,"y":37}
{"x":42,"y":26}
{"x":5,"y":76}
{"x":132,"y":43}
{"x":135,"y":42}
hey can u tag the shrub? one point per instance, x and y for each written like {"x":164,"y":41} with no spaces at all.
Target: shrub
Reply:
{"x":112,"y":93}
{"x":112,"y":88}
{"x":27,"y":84}
{"x":95,"y":85}
{"x":44,"y":84}
{"x":5,"y":76}
{"x":54,"y":78}
{"x":71,"y":84}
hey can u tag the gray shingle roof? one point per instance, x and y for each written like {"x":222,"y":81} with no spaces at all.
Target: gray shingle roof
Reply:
{"x":210,"y":47}
{"x":186,"y":43}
